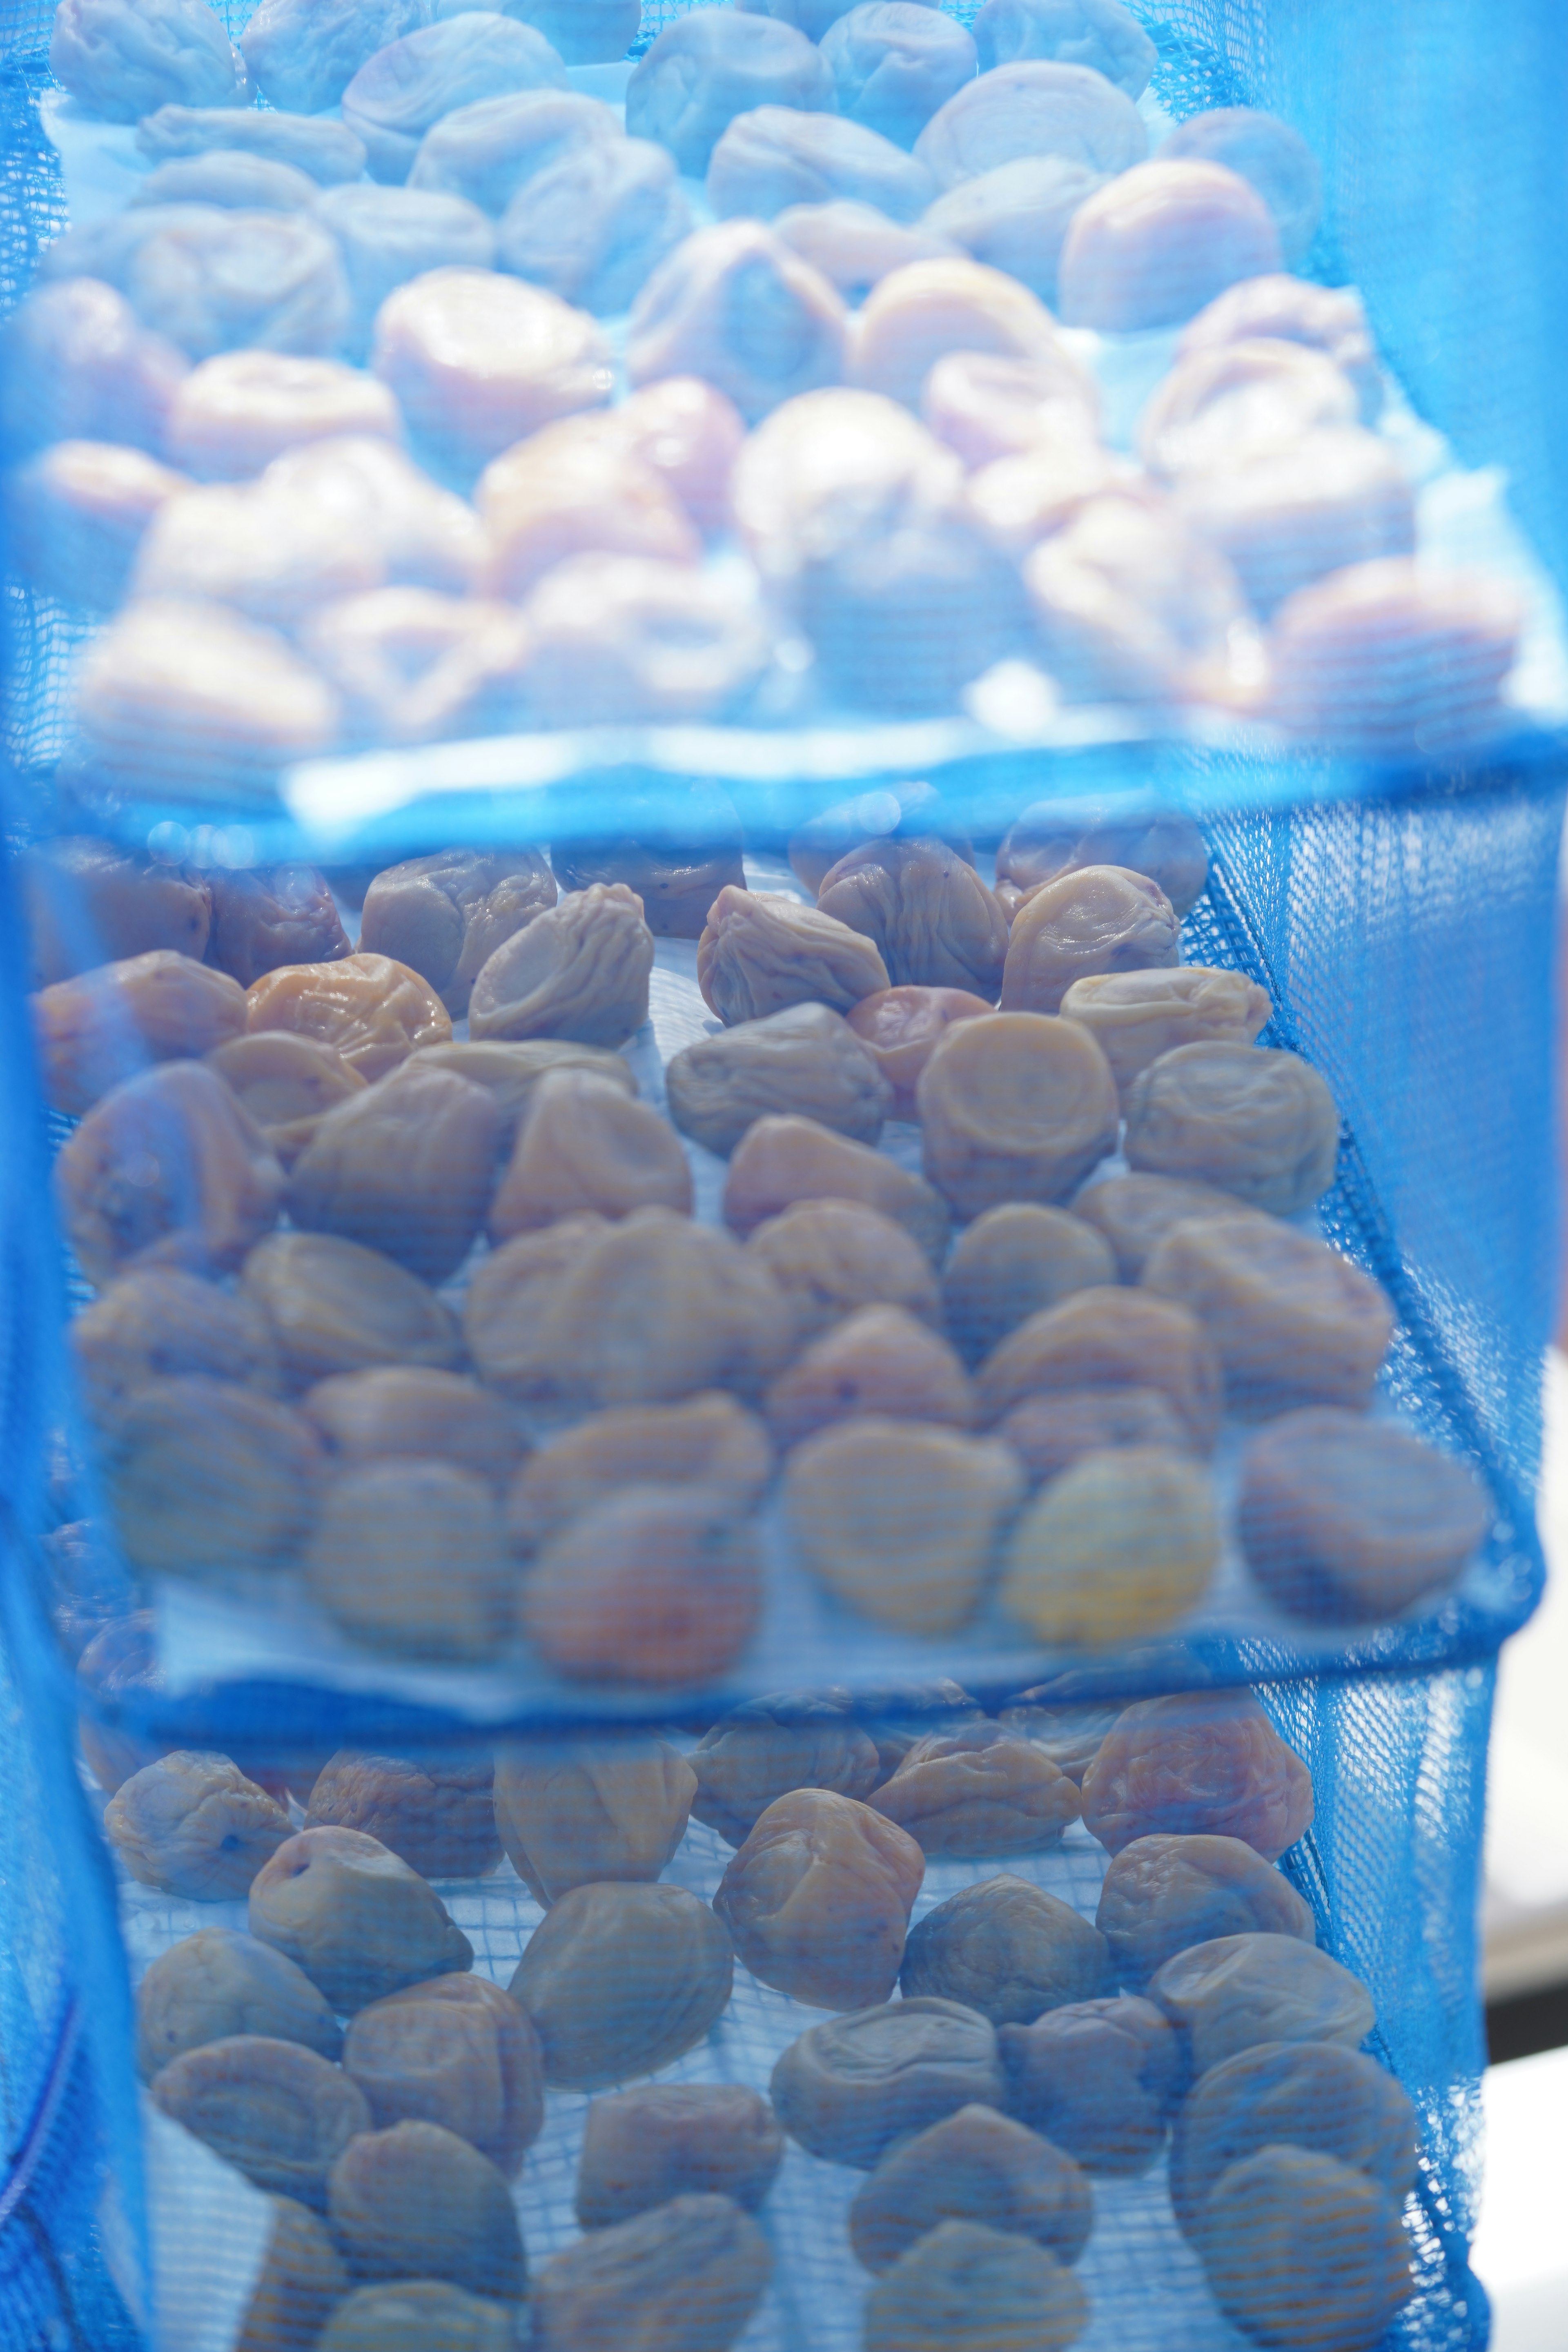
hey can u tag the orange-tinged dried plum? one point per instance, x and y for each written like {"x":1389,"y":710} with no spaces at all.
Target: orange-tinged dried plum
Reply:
{"x":1166,"y":1892}
{"x":336,"y":1306}
{"x":285,"y":1084}
{"x":655,"y":1584}
{"x":407,"y":1167}
{"x":104,"y":1025}
{"x":266,"y":916}
{"x":220,"y":1982}
{"x":1018,"y":1106}
{"x":772,"y":1746}
{"x":1098,"y":2077}
{"x":371,"y":1009}
{"x":780,"y":1160}
{"x":927,"y":911}
{"x":193,"y":1825}
{"x":880,"y":1360}
{"x":580,"y":971}
{"x":203,"y":1476}
{"x":1136,"y":1017}
{"x":643,"y":2148}
{"x":1108,"y":1339}
{"x":585,"y":1144}
{"x":851,"y":2087}
{"x":1293,"y":1321}
{"x":158,"y":1324}
{"x":1135,"y":1212}
{"x":1116,"y":1547}
{"x":762,"y":950}
{"x":1262,"y":1125}
{"x":394,"y":1411}
{"x":803,"y":1061}
{"x":708,"y":1441}
{"x":1092,"y":919}
{"x":685,"y":2277}
{"x":411,"y":1556}
{"x":831,"y":1258}
{"x":900,"y":1027}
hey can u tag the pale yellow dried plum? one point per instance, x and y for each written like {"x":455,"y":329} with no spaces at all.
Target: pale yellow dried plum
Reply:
{"x":104,"y":1025}
{"x":457,"y":2052}
{"x":218,"y":1982}
{"x":1315,"y":2095}
{"x":620,"y":1980}
{"x":818,"y":1898}
{"x":966,"y":2288}
{"x":1134,"y":1212}
{"x":685,"y":2277}
{"x":415,"y":2201}
{"x":158,"y":1323}
{"x":901,"y":1518}
{"x":434,"y":1810}
{"x":336,"y":1306}
{"x":302,"y":2279}
{"x":1007,"y":1948}
{"x":1016,"y":1107}
{"x":203,"y":1477}
{"x":1014,"y":1260}
{"x":975,"y":2164}
{"x":830,"y":1257}
{"x":1293,"y":1322}
{"x":1108,"y":1339}
{"x":371,"y":1009}
{"x":1198,"y":1760}
{"x":780,"y":1160}
{"x":286,"y":1083}
{"x":397,"y":1410}
{"x":446,"y":914}
{"x":1098,"y":2077}
{"x":851,"y":2087}
{"x":406,"y":1168}
{"x":1092,"y":919}
{"x":880,"y":1360}
{"x":1136,"y":1017}
{"x":1344,"y":1518}
{"x":264,"y":916}
{"x":417,"y":2315}
{"x":979,"y":1789}
{"x":576,"y":1809}
{"x":579,"y":971}
{"x":1305,"y":2251}
{"x":411,"y":1556}
{"x":762,"y":950}
{"x":1164,"y":1892}
{"x":1117,"y":1547}
{"x":925,"y":909}
{"x":192,"y":1824}
{"x":641,"y":2148}
{"x":707,"y":1440}
{"x":358,"y":1921}
{"x":803,"y":1061}
{"x":585,"y":1144}
{"x":166,"y":1170}
{"x":656,"y":1585}
{"x":772,"y":1746}
{"x":1262,"y":1125}
{"x":274,"y":2109}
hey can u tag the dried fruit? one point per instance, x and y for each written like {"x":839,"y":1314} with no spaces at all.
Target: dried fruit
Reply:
{"x":217,"y":1983}
{"x":358,"y":1921}
{"x":193,"y":1825}
{"x":1236,"y":1990}
{"x":1300,"y":2249}
{"x":1098,"y":2077}
{"x":830,"y":1257}
{"x":444,"y":915}
{"x":683,"y":2278}
{"x":584,"y":1144}
{"x":1261,"y":1125}
{"x":1044,"y":842}
{"x":271,"y":915}
{"x":1108,"y":1339}
{"x":900,"y":1519}
{"x":803,"y":1061}
{"x":761,"y":950}
{"x":1293,"y":1321}
{"x":373,"y":1010}
{"x":1198,"y":1760}
{"x":1164,"y":1892}
{"x":901,"y":1028}
{"x":168,"y":1171}
{"x":507,"y":1309}
{"x":708,"y":1441}
{"x":979,"y":1789}
{"x":106,"y":1025}
{"x":851,"y":2087}
{"x":302,"y":2279}
{"x":392,"y":1412}
{"x":415,"y":2201}
{"x":963,"y":2280}
{"x":418,"y":2315}
{"x":411,"y":1556}
{"x":1092,"y":919}
{"x":510,"y":1071}
{"x":933,"y":920}
{"x":780,"y":1162}
{"x":275,"y":2110}
{"x":335,"y":1306}
{"x":204,"y":1476}
{"x":1015,"y":1107}
{"x":973,"y":2166}
{"x":574,"y":1810}
{"x":818,"y":1898}
{"x":578,"y":972}
{"x":435,"y":1812}
{"x":407,"y":1167}
{"x":878,"y":1361}
{"x":620,"y":1979}
{"x":456,"y":2052}
{"x":1136,"y":1212}
{"x":1119,"y":1546}
{"x":657,"y":1584}
{"x":160,"y":1324}
{"x":87,"y":901}
{"x":1012,"y":1262}
{"x":642,"y":2148}
{"x":1007,"y":1948}
{"x":772,"y":1746}
{"x":1136,"y":1017}
{"x":285,"y":1084}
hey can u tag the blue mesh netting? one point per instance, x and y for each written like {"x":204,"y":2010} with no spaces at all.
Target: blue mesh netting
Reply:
{"x":1405,"y":937}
